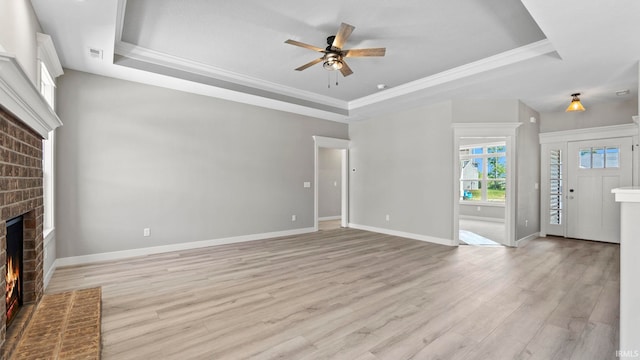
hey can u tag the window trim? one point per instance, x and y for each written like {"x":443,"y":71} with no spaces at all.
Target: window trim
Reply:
{"x":49,"y":68}
{"x":507,"y":130}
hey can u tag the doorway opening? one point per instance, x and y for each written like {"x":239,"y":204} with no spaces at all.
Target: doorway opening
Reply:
{"x":484,"y":192}
{"x":483,"y":185}
{"x":327,"y":184}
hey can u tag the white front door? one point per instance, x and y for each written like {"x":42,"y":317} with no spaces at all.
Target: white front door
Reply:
{"x":594,"y":168}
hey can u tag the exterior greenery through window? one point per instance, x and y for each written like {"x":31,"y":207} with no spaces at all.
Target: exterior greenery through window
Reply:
{"x":483,"y":172}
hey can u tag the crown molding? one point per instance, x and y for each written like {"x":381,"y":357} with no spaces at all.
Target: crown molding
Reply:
{"x":341,"y":108}
{"x":47,"y":54}
{"x":20,"y":97}
{"x":162,"y":59}
{"x":509,"y":57}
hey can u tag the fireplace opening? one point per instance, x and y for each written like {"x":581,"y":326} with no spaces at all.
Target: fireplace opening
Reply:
{"x":14,"y":289}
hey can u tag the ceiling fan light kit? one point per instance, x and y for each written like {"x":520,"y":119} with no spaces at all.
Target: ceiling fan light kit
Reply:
{"x":332,"y":61}
{"x":333,"y":58}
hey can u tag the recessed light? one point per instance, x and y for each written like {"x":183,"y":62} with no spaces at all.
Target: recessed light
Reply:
{"x":622,"y":92}
{"x":382,"y":86}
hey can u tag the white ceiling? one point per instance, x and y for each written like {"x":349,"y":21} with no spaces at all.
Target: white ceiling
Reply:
{"x":539,"y":51}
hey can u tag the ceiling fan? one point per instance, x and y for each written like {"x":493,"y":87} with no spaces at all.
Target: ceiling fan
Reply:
{"x":333,"y":58}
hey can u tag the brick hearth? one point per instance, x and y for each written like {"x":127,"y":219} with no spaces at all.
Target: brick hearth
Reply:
{"x":21,"y":194}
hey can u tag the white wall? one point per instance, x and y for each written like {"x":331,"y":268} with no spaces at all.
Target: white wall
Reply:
{"x":18,"y":28}
{"x":602,"y":114}
{"x":329,"y":182}
{"x":403,"y":167}
{"x":188,"y":167}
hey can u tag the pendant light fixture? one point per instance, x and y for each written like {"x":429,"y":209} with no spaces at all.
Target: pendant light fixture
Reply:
{"x":575,"y":104}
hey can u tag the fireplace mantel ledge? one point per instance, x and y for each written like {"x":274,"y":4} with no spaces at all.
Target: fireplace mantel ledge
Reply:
{"x":20,"y":97}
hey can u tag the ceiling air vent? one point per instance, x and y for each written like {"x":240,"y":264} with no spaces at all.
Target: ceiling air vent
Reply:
{"x":95,"y":53}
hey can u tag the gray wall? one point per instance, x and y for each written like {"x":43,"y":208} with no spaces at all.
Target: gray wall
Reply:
{"x":329,"y":182}
{"x":495,"y":212}
{"x":602,"y":114}
{"x":485,"y":111}
{"x":188,"y":167}
{"x":403,"y":167}
{"x":527,"y":173}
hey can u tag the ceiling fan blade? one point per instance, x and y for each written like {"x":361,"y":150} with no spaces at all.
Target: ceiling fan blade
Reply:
{"x":306,"y":46}
{"x":364,"y":52}
{"x":345,"y":70}
{"x":342,"y":36}
{"x":310,"y":64}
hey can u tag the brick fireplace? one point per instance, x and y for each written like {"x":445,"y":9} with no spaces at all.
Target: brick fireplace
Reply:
{"x":25,"y":119}
{"x":21,"y":194}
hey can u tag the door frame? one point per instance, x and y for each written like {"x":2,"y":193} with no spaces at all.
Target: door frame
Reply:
{"x":340,"y":144}
{"x":560,"y":140}
{"x":509,"y":132}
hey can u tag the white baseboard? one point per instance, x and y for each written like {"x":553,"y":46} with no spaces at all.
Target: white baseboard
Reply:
{"x":526,"y":239}
{"x":481,"y":218}
{"x":117,"y":255}
{"x":425,"y":238}
{"x":49,"y":274}
{"x":326,"y":218}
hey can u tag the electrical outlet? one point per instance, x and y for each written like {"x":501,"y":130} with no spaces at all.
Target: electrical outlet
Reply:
{"x":146,"y":232}
{"x":387,"y":217}
{"x":293,"y":218}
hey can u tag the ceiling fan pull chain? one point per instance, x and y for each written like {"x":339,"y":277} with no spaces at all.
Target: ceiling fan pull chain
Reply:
{"x":328,"y":80}
{"x":336,"y":78}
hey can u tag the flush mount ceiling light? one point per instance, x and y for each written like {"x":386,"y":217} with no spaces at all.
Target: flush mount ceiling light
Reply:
{"x":575,"y":103}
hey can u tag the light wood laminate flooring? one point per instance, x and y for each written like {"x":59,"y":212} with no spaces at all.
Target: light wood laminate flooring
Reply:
{"x":357,"y":295}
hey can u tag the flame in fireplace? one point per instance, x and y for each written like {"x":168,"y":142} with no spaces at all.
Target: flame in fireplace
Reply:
{"x":12,"y":279}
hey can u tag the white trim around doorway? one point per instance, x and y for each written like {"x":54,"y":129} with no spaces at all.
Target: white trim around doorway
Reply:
{"x":332,"y":143}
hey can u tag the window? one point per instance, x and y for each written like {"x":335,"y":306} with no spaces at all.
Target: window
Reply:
{"x":599,"y":157}
{"x":555,"y":187}
{"x":483,"y":171}
{"x":47,"y":90}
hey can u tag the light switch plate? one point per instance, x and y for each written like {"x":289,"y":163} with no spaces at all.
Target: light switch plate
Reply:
{"x":307,"y":184}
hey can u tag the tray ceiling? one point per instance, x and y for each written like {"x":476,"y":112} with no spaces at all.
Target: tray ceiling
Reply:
{"x":435,"y":50}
